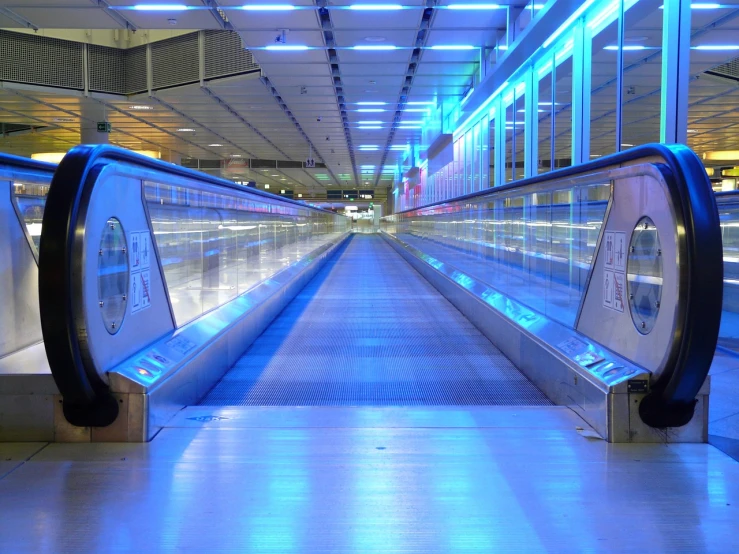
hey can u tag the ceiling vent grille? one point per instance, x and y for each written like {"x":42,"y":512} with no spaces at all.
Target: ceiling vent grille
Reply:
{"x":225,"y":55}
{"x":40,"y":60}
{"x":135,"y":69}
{"x":107,"y":69}
{"x":729,"y":69}
{"x":175,"y":61}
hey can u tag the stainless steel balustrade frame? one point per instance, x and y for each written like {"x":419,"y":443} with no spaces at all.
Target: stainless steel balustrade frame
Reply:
{"x":27,"y":390}
{"x":123,"y":384}
{"x":665,"y":368}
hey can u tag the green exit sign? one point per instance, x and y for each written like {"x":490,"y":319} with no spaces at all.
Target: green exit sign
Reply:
{"x":103,"y":127}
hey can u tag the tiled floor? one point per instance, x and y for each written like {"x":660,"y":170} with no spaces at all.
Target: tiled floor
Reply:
{"x":337,"y":479}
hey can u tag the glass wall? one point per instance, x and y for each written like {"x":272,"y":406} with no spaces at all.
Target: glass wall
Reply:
{"x":620,"y":110}
{"x":214,"y":246}
{"x":713,"y":119}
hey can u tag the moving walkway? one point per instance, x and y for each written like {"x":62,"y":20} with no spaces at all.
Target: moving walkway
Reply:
{"x":600,"y":283}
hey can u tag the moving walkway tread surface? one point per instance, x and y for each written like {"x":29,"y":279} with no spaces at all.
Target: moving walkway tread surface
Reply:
{"x":369,"y":330}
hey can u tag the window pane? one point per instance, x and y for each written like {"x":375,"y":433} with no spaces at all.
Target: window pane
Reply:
{"x":545,"y":122}
{"x":603,"y":100}
{"x":563,"y":111}
{"x":642,"y":73}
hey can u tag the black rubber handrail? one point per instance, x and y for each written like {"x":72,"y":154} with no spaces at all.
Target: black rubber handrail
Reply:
{"x":87,"y":400}
{"x":8,"y":160}
{"x":672,"y":399}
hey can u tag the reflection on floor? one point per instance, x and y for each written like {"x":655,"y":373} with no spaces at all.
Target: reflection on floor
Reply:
{"x":336,"y":479}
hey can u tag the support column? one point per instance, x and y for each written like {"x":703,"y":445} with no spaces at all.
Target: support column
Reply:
{"x":675,"y":72}
{"x":92,"y":113}
{"x":531,"y":125}
{"x":499,"y":141}
{"x":581,"y":73}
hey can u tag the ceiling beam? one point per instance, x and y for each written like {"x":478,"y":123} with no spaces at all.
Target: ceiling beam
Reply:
{"x":10,"y":14}
{"x":267,"y":83}
{"x":115,"y":15}
{"x":218,"y":14}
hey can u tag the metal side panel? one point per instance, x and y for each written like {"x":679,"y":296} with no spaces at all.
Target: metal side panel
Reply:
{"x":20,"y":324}
{"x":149,"y":399}
{"x":611,"y":409}
{"x":27,"y":391}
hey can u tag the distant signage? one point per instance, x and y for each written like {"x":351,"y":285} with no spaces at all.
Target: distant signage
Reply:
{"x":103,"y":127}
{"x":310,"y":163}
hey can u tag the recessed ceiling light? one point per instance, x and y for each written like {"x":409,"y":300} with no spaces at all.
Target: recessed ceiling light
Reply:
{"x":287,"y":47}
{"x":63,"y":119}
{"x":140,"y":107}
{"x":374,"y":47}
{"x":268,"y":7}
{"x":453,"y":47}
{"x":235,"y":155}
{"x":375,"y":39}
{"x":475,"y":7}
{"x":215,"y":145}
{"x":185,"y":130}
{"x":160,"y":7}
{"x":275,"y":175}
{"x":375,"y":7}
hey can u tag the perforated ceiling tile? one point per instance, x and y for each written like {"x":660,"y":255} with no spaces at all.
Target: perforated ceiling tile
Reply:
{"x":107,"y":69}
{"x":41,"y":60}
{"x":369,"y":330}
{"x":175,"y":61}
{"x":225,"y":55}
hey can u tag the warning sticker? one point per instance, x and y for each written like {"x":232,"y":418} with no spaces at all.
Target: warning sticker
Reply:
{"x":618,"y":291}
{"x":608,"y":288}
{"x":614,"y":270}
{"x":139,"y":254}
{"x":619,"y":251}
{"x":140,"y":250}
{"x":140,"y":287}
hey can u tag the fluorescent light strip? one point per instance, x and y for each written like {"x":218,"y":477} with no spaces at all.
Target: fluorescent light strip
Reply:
{"x":702,"y":6}
{"x":161,"y":7}
{"x":374,"y":47}
{"x":566,"y":24}
{"x":287,"y":47}
{"x":473,"y":7}
{"x":717,"y":47}
{"x":268,"y":7}
{"x":453,"y":47}
{"x":370,"y":123}
{"x":369,"y":127}
{"x":627,"y":47}
{"x":375,"y":7}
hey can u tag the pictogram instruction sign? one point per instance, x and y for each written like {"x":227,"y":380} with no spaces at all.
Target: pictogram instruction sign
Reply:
{"x":614,"y":278}
{"x":139,"y":252}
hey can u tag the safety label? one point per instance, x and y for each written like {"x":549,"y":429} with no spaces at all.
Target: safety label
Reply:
{"x":139,"y":253}
{"x":140,"y":291}
{"x":614,"y":271}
